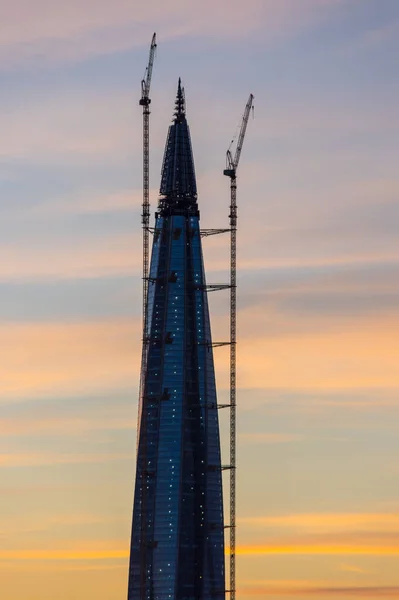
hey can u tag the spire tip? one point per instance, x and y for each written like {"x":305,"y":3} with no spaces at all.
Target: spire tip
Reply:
{"x":180,"y":108}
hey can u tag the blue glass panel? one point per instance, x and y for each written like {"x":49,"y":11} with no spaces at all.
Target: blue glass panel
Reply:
{"x":177,"y":549}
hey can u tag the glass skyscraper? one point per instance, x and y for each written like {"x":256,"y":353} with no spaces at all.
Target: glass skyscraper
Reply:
{"x":177,"y":543}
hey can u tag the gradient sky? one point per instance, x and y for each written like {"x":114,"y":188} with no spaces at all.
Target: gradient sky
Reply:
{"x":318,"y":283}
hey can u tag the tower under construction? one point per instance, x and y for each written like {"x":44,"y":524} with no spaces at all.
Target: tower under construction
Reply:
{"x":177,"y":542}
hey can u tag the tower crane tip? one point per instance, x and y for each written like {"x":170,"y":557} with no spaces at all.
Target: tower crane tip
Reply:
{"x":231,"y":171}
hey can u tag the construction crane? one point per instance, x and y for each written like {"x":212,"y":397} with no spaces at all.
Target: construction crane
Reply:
{"x":231,"y":171}
{"x":145,"y":102}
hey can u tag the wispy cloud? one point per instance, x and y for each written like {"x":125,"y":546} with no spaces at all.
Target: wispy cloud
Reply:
{"x":305,"y":354}
{"x":112,"y":552}
{"x":270,"y":438}
{"x":30,"y":523}
{"x":45,"y":459}
{"x":73,"y":125}
{"x":62,"y":358}
{"x":46,"y":567}
{"x":353,"y":569}
{"x":56,"y":426}
{"x":104,"y":552}
{"x":281,"y":350}
{"x":329,"y":522}
{"x":55,"y":555}
{"x":72,"y":32}
{"x":322,"y":534}
{"x":294,"y":590}
{"x":317,"y":402}
{"x":87,"y":202}
{"x":320,"y":549}
{"x":98,"y":257}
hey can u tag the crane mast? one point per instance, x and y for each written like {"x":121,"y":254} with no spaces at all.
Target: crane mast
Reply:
{"x":231,"y":171}
{"x":145,"y":102}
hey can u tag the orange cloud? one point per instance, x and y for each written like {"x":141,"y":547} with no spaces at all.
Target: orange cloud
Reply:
{"x":329,"y":522}
{"x":111,"y":420}
{"x":63,"y":358}
{"x":29,"y":522}
{"x":352,"y":569}
{"x":320,"y":549}
{"x":34,"y":460}
{"x":270,"y":438}
{"x":362,"y":534}
{"x":312,"y":354}
{"x":107,"y":553}
{"x":274,"y":587}
{"x":299,"y":354}
{"x":57,"y":566}
{"x":288,"y":590}
{"x":117,"y":255}
{"x":52,"y":555}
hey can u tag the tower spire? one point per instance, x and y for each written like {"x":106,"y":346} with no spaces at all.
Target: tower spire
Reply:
{"x":180,"y":108}
{"x":178,"y":191}
{"x":177,"y":544}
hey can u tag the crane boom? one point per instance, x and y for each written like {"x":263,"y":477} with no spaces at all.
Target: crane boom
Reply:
{"x":146,"y":82}
{"x":243,"y":131}
{"x":232,"y":163}
{"x":145,"y":102}
{"x":231,"y":171}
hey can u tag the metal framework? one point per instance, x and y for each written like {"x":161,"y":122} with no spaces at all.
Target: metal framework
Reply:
{"x":231,"y":171}
{"x":145,"y":102}
{"x":208,"y":232}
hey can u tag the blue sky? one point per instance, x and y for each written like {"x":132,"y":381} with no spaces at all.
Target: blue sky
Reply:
{"x":318,"y":274}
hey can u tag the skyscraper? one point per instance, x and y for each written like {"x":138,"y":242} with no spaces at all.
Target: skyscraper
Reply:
{"x":177,"y":544}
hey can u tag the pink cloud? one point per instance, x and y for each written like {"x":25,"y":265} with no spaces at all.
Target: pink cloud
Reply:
{"x":113,"y":256}
{"x":72,"y":30}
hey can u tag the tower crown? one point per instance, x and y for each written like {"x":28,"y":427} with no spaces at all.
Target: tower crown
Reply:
{"x":180,"y":102}
{"x":178,"y":191}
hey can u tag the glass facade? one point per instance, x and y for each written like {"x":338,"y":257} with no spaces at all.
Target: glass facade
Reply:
{"x":177,"y":545}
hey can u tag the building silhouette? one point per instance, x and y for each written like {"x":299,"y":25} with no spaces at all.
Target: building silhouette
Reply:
{"x":177,"y":543}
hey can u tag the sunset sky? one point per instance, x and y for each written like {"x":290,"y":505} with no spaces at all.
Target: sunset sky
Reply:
{"x":318,"y":498}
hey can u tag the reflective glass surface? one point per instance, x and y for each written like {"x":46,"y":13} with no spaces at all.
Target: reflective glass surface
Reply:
{"x":177,"y":544}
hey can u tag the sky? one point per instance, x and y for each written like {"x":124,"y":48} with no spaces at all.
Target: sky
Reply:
{"x":318,"y":352}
